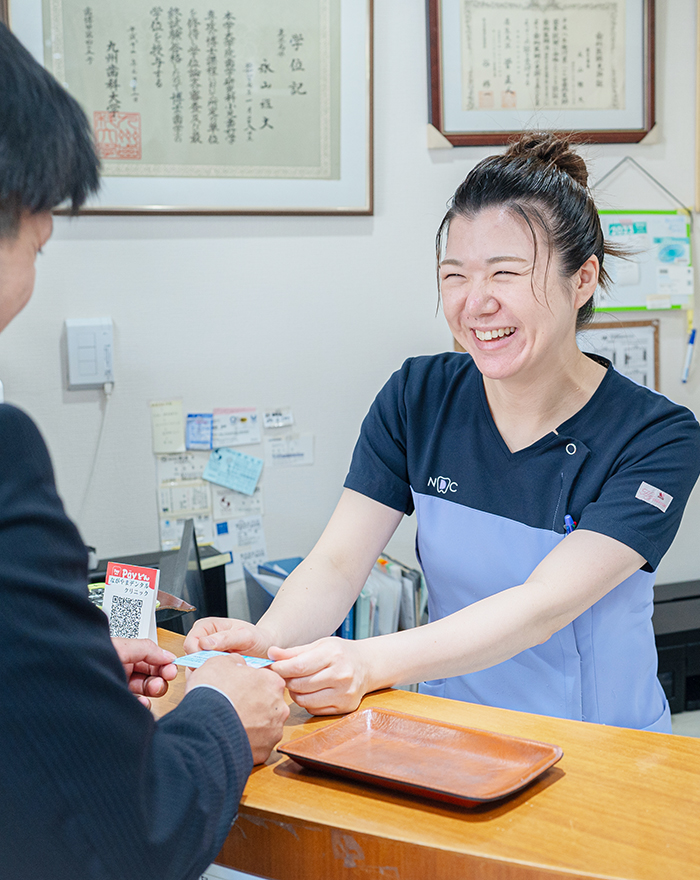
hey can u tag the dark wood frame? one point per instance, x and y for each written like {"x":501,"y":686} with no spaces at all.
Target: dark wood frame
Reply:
{"x":4,"y":16}
{"x":464,"y":139}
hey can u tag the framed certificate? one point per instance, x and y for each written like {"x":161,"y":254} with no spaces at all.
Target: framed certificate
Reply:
{"x":575,"y":66}
{"x":217,"y":106}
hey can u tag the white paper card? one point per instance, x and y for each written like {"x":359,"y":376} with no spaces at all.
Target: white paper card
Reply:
{"x":289,"y":450}
{"x":675,"y":281}
{"x":181,"y":497}
{"x":236,"y":427}
{"x":181,"y":466}
{"x":227,"y":503}
{"x":245,"y":539}
{"x":278,"y":418}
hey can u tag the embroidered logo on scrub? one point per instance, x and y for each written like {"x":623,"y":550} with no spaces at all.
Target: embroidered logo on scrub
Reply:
{"x":442,"y":484}
{"x":654,"y":496}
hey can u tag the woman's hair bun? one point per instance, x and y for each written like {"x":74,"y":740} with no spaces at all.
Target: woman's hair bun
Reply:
{"x":552,"y":150}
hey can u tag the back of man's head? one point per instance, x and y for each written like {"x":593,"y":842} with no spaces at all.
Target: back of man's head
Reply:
{"x":47,"y":154}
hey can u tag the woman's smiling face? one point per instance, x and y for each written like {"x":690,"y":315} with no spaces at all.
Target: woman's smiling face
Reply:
{"x":512,"y":312}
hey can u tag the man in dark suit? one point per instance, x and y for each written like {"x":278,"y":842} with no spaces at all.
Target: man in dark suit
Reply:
{"x":91,"y":786}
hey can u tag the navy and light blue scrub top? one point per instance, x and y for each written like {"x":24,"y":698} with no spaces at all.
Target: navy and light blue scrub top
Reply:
{"x":623,"y":466}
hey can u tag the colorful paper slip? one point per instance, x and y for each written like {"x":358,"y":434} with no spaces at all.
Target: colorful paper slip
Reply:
{"x":233,"y":469}
{"x":199,"y":429}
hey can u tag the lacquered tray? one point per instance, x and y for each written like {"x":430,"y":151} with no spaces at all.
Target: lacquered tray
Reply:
{"x":434,"y":759}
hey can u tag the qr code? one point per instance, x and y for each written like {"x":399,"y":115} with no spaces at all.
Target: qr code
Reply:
{"x":124,"y":618}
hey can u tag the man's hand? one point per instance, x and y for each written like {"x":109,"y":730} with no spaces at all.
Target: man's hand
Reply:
{"x":148,"y":668}
{"x":226,"y":634}
{"x":257,"y":694}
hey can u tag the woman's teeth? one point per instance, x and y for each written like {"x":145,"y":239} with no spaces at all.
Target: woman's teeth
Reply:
{"x":486,"y":335}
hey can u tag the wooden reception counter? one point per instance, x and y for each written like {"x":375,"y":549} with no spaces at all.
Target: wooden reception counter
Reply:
{"x":620,"y":804}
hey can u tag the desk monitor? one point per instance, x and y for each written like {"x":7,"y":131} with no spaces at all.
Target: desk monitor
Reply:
{"x":181,"y":575}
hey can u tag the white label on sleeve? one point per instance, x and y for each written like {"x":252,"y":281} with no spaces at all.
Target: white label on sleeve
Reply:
{"x":654,"y":496}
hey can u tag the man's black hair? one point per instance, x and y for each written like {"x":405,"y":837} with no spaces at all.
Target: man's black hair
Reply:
{"x":47,"y":153}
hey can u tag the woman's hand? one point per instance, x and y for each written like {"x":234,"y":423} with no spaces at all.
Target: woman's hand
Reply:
{"x":327,"y":677}
{"x":225,"y":634}
{"x":148,"y":668}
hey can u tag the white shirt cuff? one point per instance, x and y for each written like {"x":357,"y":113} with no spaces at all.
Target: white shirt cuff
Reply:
{"x":211,"y":687}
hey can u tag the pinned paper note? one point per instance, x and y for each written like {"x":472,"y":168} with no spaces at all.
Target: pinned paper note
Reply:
{"x":180,"y":498}
{"x":167,"y":426}
{"x":199,"y":431}
{"x":130,"y":601}
{"x":227,"y":503}
{"x":181,"y":466}
{"x":278,"y":418}
{"x":675,"y":281}
{"x":183,"y":494}
{"x":236,"y":427}
{"x":233,"y":469}
{"x":245,"y":539}
{"x":289,"y":450}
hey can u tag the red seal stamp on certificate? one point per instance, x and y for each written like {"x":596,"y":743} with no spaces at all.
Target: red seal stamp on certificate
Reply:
{"x":117,"y":135}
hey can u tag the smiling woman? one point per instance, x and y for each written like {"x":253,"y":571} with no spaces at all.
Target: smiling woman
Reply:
{"x":532,"y":437}
{"x":515,"y":314}
{"x":543,"y":182}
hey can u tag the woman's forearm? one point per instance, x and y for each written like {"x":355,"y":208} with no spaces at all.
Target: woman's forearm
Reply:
{"x":315,"y":598}
{"x":311,"y":603}
{"x":582,"y":569}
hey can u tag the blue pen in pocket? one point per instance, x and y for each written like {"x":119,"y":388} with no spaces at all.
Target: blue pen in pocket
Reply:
{"x":569,"y":524}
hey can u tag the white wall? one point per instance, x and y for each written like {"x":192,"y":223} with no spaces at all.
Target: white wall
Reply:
{"x":312,"y":313}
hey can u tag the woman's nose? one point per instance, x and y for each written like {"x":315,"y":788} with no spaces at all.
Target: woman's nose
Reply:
{"x":480,"y":302}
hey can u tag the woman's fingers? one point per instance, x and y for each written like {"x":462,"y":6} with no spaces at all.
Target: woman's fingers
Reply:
{"x":324,"y":677}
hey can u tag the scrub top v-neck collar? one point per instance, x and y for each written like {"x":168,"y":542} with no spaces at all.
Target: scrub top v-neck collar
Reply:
{"x":562,"y":431}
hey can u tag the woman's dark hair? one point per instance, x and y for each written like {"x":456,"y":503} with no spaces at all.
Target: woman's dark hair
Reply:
{"x":47,"y":153}
{"x":544,"y":182}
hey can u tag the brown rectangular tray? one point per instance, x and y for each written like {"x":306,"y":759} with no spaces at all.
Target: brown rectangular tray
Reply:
{"x":433,"y":759}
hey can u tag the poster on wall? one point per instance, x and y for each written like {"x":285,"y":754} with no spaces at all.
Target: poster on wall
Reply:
{"x":657,"y":272}
{"x":216,"y":105}
{"x":632,"y":347}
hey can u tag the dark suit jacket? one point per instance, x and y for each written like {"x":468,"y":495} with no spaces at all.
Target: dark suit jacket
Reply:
{"x":91,"y":786}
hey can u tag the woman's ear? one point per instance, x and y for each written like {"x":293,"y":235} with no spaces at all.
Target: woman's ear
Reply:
{"x":586,"y":281}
